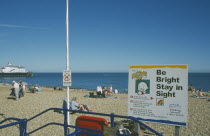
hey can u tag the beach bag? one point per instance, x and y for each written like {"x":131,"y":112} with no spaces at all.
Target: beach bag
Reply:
{"x":33,"y":90}
{"x":98,"y":93}
{"x":91,"y":95}
{"x":91,"y":122}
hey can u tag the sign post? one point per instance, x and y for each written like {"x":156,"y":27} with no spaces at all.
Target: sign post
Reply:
{"x":67,"y":72}
{"x":159,"y":93}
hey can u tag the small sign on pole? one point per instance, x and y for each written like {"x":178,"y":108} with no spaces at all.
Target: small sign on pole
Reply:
{"x":66,"y":78}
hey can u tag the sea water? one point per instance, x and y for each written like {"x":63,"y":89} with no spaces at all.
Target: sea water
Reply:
{"x":91,"y":80}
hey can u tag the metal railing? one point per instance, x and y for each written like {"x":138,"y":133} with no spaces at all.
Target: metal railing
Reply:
{"x":21,"y":122}
{"x":78,"y":130}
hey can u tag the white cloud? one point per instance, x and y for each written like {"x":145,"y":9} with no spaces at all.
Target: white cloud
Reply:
{"x":18,"y":26}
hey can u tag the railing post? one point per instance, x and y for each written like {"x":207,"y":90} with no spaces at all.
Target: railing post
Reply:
{"x":112,"y":119}
{"x":137,"y":128}
{"x":78,"y":130}
{"x":66,"y":132}
{"x":22,"y":127}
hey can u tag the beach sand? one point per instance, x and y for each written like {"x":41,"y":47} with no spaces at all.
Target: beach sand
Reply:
{"x":32,"y":104}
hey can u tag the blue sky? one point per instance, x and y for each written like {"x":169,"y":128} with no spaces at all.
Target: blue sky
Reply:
{"x":105,"y":35}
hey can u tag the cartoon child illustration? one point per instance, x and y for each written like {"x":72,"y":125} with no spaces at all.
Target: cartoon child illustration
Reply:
{"x":142,"y":87}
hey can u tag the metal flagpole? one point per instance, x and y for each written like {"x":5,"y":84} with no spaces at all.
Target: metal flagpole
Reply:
{"x":67,"y":75}
{"x":67,"y":54}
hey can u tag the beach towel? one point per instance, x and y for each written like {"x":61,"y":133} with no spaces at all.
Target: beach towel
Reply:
{"x":200,"y":97}
{"x":119,"y":97}
{"x":86,"y":96}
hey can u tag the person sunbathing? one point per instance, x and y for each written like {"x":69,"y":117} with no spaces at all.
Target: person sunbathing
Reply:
{"x":75,"y":106}
{"x":200,"y":93}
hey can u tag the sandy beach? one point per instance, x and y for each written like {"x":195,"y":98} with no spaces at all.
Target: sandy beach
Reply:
{"x":34,"y":103}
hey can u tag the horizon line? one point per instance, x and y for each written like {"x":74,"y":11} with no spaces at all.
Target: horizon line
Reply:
{"x":108,"y":72}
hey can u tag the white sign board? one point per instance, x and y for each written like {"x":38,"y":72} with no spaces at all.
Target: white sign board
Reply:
{"x":159,"y":93}
{"x":66,"y":78}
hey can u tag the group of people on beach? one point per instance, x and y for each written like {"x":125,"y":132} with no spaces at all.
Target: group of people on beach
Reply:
{"x":104,"y":92}
{"x":34,"y":89}
{"x":18,"y":89}
{"x":199,"y":91}
{"x":101,"y":92}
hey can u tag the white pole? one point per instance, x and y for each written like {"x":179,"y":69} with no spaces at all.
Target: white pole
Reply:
{"x":67,"y":35}
{"x":67,"y":54}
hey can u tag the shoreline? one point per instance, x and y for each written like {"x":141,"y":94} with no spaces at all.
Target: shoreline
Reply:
{"x":34,"y":103}
{"x":90,"y":81}
{"x":52,"y":87}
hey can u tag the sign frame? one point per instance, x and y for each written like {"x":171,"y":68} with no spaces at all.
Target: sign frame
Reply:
{"x":159,"y":93}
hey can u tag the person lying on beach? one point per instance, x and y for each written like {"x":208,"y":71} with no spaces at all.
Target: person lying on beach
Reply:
{"x":200,"y":93}
{"x":5,"y":84}
{"x":75,"y":106}
{"x":110,"y":91}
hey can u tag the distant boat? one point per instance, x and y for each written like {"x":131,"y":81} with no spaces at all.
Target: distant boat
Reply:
{"x":14,"y":71}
